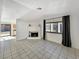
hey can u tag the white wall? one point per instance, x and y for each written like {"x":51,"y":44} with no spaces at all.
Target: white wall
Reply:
{"x":74,"y":12}
{"x":21,"y":31}
{"x":54,"y":37}
{"x":22,"y":28}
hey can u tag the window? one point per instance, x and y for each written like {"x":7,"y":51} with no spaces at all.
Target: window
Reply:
{"x":60,"y":27}
{"x":54,"y":27}
{"x":48,"y":27}
{"x":5,"y":27}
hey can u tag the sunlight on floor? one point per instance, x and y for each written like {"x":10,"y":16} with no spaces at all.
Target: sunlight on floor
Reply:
{"x":7,"y":38}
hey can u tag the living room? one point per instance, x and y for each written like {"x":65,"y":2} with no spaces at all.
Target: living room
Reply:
{"x":45,"y":29}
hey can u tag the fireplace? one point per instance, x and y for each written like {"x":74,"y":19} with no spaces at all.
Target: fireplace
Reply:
{"x":33,"y":34}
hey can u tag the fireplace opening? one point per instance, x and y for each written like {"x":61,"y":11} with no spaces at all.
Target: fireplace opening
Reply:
{"x":33,"y":34}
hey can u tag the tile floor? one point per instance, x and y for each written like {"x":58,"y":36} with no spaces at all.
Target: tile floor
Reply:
{"x":35,"y":49}
{"x":4,"y":38}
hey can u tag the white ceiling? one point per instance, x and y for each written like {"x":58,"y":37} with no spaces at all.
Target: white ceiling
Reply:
{"x":48,"y":7}
{"x":12,"y":10}
{"x":27,"y":9}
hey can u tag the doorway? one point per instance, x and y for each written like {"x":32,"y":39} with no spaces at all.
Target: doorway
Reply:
{"x":5,"y":29}
{"x":8,"y":32}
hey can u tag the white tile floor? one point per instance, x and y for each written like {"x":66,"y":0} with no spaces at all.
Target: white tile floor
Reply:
{"x":35,"y":49}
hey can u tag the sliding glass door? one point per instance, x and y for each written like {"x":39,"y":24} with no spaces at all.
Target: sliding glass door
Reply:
{"x":5,"y":29}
